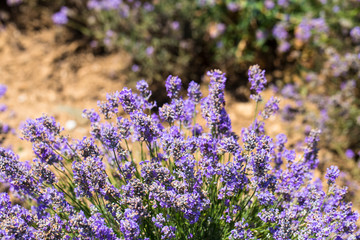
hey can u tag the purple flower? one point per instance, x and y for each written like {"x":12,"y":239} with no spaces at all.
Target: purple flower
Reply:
{"x":15,"y":220}
{"x":217,"y":30}
{"x":281,"y":139}
{"x":349,"y":153}
{"x":175,"y":25}
{"x":91,"y":114}
{"x":135,"y":68}
{"x":284,"y":46}
{"x":149,"y":50}
{"x":89,"y":177}
{"x":303,"y":32}
{"x":283,"y":3}
{"x":167,"y":113}
{"x":265,"y":198}
{"x":12,"y":3}
{"x":261,"y":35}
{"x":271,"y":108}
{"x":336,"y":9}
{"x":280,"y":32}
{"x":145,"y":128}
{"x":128,"y":100}
{"x":99,"y":228}
{"x":16,"y":173}
{"x":124,"y":127}
{"x":148,"y":7}
{"x":143,"y":88}
{"x":3,"y":90}
{"x":129,"y":226}
{"x":159,"y":220}
{"x":60,"y":17}
{"x":173,"y":86}
{"x":269,"y":4}
{"x":311,"y":150}
{"x":319,"y":25}
{"x":194,"y":93}
{"x":212,"y":106}
{"x":104,"y":4}
{"x":332,"y":174}
{"x":233,"y":6}
{"x":43,"y":129}
{"x":257,"y":80}
{"x":355,"y":34}
{"x":241,"y":231}
{"x":50,"y":228}
{"x":168,"y":232}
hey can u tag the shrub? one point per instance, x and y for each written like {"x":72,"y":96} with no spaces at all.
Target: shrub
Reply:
{"x":177,"y":180}
{"x":334,"y":94}
{"x":182,"y":37}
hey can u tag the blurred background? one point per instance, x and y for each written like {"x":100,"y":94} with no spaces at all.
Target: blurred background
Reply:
{"x":61,"y":56}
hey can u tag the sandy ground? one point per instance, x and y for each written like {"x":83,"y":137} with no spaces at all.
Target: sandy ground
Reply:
{"x":45,"y":77}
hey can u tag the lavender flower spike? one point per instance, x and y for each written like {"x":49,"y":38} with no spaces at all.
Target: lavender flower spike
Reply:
{"x":332,"y":173}
{"x":257,"y":80}
{"x":173,"y":86}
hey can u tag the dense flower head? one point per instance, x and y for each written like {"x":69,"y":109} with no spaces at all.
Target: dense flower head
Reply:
{"x":89,"y":177}
{"x":124,"y":127}
{"x":271,"y":108}
{"x":128,"y":100}
{"x":15,"y":221}
{"x":143,"y":88}
{"x":61,"y":17}
{"x":13,"y":2}
{"x":194,"y":92}
{"x":16,"y":173}
{"x":129,"y":226}
{"x":104,"y":4}
{"x":311,"y":150}
{"x":279,"y":31}
{"x":167,"y":113}
{"x":173,"y":86}
{"x":332,"y":173}
{"x":303,"y":31}
{"x":145,"y":127}
{"x":212,"y":106}
{"x":3,"y":89}
{"x":43,"y":129}
{"x":355,"y":34}
{"x":257,"y":80}
{"x":91,"y":115}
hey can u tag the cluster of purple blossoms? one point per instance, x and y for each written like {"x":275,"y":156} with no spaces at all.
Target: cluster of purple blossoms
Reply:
{"x":61,"y":17}
{"x":13,"y":2}
{"x":271,"y":108}
{"x":257,"y":80}
{"x":355,"y":34}
{"x":213,"y":106}
{"x":173,"y":86}
{"x":280,"y":33}
{"x":165,"y":176}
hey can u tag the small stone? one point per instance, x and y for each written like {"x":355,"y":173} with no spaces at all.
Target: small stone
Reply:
{"x":70,"y":125}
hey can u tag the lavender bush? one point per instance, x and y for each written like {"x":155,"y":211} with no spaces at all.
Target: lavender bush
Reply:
{"x":333,"y":91}
{"x":165,"y":176}
{"x":188,"y":36}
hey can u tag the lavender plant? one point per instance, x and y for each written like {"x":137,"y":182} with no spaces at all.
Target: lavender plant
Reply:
{"x":333,"y":91}
{"x":165,"y":176}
